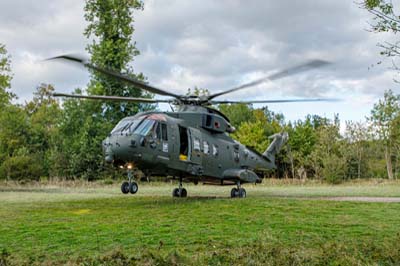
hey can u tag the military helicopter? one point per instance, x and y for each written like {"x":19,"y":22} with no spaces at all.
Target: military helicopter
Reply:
{"x":191,"y":144}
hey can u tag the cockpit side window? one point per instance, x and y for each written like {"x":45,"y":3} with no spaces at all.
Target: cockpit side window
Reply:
{"x":121,"y":125}
{"x":164,"y":132}
{"x":145,"y":127}
{"x":158,"y":131}
{"x":127,"y":125}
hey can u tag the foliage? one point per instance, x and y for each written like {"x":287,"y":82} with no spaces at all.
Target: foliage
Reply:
{"x":77,"y":151}
{"x":64,"y":139}
{"x":237,"y":113}
{"x":110,"y":25}
{"x":254,"y":132}
{"x":385,"y":20}
{"x":384,"y":119}
{"x":198,"y":91}
{"x":5,"y":77}
{"x":22,"y":167}
{"x":357,"y":136}
{"x":14,"y":130}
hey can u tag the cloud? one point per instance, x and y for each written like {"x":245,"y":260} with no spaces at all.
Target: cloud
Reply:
{"x":215,"y":45}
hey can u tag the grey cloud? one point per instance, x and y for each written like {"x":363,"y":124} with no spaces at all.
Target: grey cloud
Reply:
{"x":212,"y":44}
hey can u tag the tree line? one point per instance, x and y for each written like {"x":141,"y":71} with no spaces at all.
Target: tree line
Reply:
{"x":45,"y":138}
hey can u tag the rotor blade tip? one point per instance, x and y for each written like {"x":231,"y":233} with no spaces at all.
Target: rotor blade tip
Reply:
{"x":70,"y":57}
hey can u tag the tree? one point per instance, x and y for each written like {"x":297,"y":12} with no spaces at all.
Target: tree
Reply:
{"x":253,"y":134}
{"x":357,"y":134}
{"x":328,"y":155}
{"x":385,"y":20}
{"x":255,"y":131}
{"x":111,"y":28}
{"x":86,"y":123}
{"x":197,"y":91}
{"x":44,"y":117}
{"x":395,"y":135}
{"x":383,"y":120}
{"x":5,"y":77}
{"x":237,"y":113}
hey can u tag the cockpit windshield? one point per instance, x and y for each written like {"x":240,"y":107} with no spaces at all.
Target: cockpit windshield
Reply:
{"x":127,"y":125}
{"x":145,"y":127}
{"x":139,"y":125}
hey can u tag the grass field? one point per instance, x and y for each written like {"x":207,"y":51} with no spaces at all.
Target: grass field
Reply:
{"x":277,"y":224}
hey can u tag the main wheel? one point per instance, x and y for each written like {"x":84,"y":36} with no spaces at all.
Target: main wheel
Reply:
{"x":179,"y":194}
{"x":242,"y":193}
{"x":234,"y":192}
{"x":133,"y":188}
{"x":183,"y":193}
{"x":175,"y":193}
{"x":125,"y":188}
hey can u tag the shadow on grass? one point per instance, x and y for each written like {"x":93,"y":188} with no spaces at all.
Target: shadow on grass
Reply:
{"x":34,"y":190}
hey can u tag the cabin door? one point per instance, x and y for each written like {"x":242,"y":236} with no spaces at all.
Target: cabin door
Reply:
{"x":195,"y":146}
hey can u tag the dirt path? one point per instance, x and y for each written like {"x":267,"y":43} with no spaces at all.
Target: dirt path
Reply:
{"x":364,"y":199}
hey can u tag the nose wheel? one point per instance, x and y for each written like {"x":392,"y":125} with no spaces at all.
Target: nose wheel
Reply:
{"x":130,"y":185}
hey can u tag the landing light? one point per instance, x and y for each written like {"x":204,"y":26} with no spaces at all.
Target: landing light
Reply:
{"x":129,"y":166}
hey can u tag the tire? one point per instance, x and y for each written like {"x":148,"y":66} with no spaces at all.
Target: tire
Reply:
{"x":133,"y":188}
{"x":234,"y":192}
{"x":125,"y":188}
{"x":175,"y":193}
{"x":242,"y":193}
{"x":183,"y":193}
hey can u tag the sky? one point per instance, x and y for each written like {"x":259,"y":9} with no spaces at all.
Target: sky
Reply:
{"x":216,"y":45}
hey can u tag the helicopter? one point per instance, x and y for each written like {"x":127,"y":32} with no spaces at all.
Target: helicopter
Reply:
{"x":190,"y":144}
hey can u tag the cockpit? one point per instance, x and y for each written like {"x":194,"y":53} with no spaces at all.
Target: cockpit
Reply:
{"x":127,"y":125}
{"x":142,"y":125}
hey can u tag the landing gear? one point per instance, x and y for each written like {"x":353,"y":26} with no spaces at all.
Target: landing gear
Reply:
{"x":182,"y":193}
{"x":130,"y":186}
{"x":125,"y":187}
{"x":179,"y":192}
{"x":133,"y":188}
{"x":238,"y":192}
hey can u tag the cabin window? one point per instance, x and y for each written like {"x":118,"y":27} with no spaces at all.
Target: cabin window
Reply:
{"x":164,"y":132}
{"x":196,"y":144}
{"x":208,"y":121}
{"x":215,"y":150}
{"x":206,"y":147}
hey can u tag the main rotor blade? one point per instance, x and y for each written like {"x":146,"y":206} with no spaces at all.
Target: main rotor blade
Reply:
{"x":111,"y":98}
{"x":116,"y":75}
{"x":278,"y":101}
{"x":281,"y":74}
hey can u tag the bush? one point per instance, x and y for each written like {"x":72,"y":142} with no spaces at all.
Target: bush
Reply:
{"x":21,"y":167}
{"x":334,"y":169}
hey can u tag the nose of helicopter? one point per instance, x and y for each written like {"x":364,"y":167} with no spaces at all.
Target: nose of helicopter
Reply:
{"x":121,"y":148}
{"x":108,"y":149}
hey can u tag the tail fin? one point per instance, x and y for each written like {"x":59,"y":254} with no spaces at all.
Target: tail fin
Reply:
{"x":279,"y":139}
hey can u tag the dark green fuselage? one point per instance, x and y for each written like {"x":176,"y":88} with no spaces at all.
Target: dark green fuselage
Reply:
{"x":193,"y":143}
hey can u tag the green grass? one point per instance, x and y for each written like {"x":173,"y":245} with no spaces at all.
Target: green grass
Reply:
{"x":69,"y":224}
